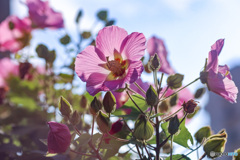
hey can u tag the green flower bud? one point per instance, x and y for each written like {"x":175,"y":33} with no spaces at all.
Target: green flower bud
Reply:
{"x":103,"y":122}
{"x":215,"y":143}
{"x":201,"y":133}
{"x":65,"y":40}
{"x":83,"y":102}
{"x":143,"y":129}
{"x":173,"y":100}
{"x":109,"y":102}
{"x":199,"y":93}
{"x":95,"y":106}
{"x":151,"y":96}
{"x":163,"y":107}
{"x":173,"y":125}
{"x":75,"y":118}
{"x":175,"y":81}
{"x":65,"y":107}
{"x":154,"y":63}
{"x":236,"y":154}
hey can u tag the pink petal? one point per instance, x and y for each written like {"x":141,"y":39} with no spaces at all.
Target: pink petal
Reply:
{"x":8,"y":67}
{"x":165,"y":66}
{"x":95,"y":83}
{"x":143,"y":85}
{"x":156,"y":45}
{"x":224,"y":70}
{"x":218,"y":46}
{"x":133,"y":46}
{"x":88,"y":62}
{"x":222,"y":86}
{"x":110,"y":39}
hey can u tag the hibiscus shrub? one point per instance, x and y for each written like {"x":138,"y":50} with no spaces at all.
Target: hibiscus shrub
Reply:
{"x":44,"y":116}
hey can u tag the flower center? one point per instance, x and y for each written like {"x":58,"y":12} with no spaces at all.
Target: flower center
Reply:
{"x":117,"y":67}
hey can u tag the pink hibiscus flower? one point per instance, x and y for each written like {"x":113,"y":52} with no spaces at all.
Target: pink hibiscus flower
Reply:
{"x":217,"y":77}
{"x":43,"y":16}
{"x":114,"y":61}
{"x":59,"y":137}
{"x":15,"y":33}
{"x":157,"y":46}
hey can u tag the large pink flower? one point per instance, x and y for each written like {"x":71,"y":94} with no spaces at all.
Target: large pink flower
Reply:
{"x":217,"y":77}
{"x":113,"y":62}
{"x":15,"y":33}
{"x":59,"y":137}
{"x":43,"y":16}
{"x":157,"y":46}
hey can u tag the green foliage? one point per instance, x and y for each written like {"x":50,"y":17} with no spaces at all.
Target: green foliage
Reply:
{"x":65,"y":39}
{"x":182,"y":137}
{"x":178,"y":156}
{"x":102,"y":15}
{"x":175,"y":81}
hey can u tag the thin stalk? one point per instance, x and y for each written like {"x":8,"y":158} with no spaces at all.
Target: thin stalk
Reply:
{"x":160,"y":84}
{"x":139,"y":152}
{"x":171,"y":115}
{"x":131,"y":90}
{"x":204,"y":155}
{"x":100,"y":142}
{"x":190,"y":152}
{"x":135,"y":103}
{"x":83,"y":154}
{"x":140,"y":88}
{"x":78,"y":132}
{"x":155,"y":79}
{"x":94,"y":149}
{"x":171,"y":147}
{"x":149,"y":156}
{"x":93,"y":121}
{"x":164,"y":93}
{"x":118,"y":139}
{"x":157,"y":136}
{"x":180,"y":89}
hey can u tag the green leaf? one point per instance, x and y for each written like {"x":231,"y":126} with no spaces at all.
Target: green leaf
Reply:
{"x":182,"y":137}
{"x":177,"y":156}
{"x":83,"y":139}
{"x":65,"y":78}
{"x":140,"y":101}
{"x":102,"y":15}
{"x":25,"y":102}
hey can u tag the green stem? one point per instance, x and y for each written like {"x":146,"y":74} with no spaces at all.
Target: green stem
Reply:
{"x":100,"y":142}
{"x":135,"y":103}
{"x":139,"y":152}
{"x":171,"y":147}
{"x":118,"y":139}
{"x":164,"y":93}
{"x":149,"y":156}
{"x":83,"y":154}
{"x":155,"y":79}
{"x":140,"y":88}
{"x":204,"y":155}
{"x":94,"y":149}
{"x":171,"y":115}
{"x":180,"y":89}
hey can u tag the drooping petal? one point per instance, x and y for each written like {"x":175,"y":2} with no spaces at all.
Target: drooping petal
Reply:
{"x":88,"y":62}
{"x":133,"y":46}
{"x":222,"y":86}
{"x":95,"y":83}
{"x":110,"y":39}
{"x":217,"y":46}
{"x":165,"y":66}
{"x":156,"y":45}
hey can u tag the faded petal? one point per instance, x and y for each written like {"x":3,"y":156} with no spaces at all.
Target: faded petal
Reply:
{"x":133,"y":46}
{"x":59,"y":137}
{"x":222,"y":86}
{"x":89,"y":62}
{"x":156,"y":45}
{"x":109,"y":40}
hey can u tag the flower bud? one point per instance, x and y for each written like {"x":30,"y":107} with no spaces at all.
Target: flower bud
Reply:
{"x":163,"y":107}
{"x":75,"y":118}
{"x":173,"y":100}
{"x":175,"y":81}
{"x":189,"y":106}
{"x":83,"y":102}
{"x":147,"y":68}
{"x":109,"y":102}
{"x":65,"y":107}
{"x":154,"y":63}
{"x":236,"y":154}
{"x":59,"y":137}
{"x":215,"y":143}
{"x":24,"y":69}
{"x":116,"y":127}
{"x":65,"y":40}
{"x":199,"y":93}
{"x":173,"y":125}
{"x":103,"y":122}
{"x":151,"y":96}
{"x":95,"y":106}
{"x":143,"y":129}
{"x":204,"y":132}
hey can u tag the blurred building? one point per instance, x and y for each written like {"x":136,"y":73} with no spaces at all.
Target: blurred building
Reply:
{"x":223,"y":114}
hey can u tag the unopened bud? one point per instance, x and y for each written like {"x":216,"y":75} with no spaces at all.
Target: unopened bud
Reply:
{"x":75,"y":118}
{"x":83,"y":102}
{"x":151,"y":96}
{"x":95,"y":106}
{"x":204,"y":132}
{"x":116,"y":127}
{"x":103,"y":122}
{"x":155,"y":63}
{"x":173,"y":125}
{"x":65,"y":107}
{"x":215,"y":143}
{"x":236,"y":154}
{"x":147,"y":68}
{"x":163,"y":107}
{"x":189,"y":106}
{"x":65,"y":40}
{"x":199,"y":93}
{"x":109,"y":102}
{"x":173,"y":100}
{"x":175,"y":81}
{"x":143,"y":129}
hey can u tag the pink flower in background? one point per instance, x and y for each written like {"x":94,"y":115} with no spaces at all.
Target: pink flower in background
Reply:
{"x":59,"y":137}
{"x":217,"y":77}
{"x":7,"y":68}
{"x":116,"y":127}
{"x":15,"y":33}
{"x":157,"y":46}
{"x":114,"y":61}
{"x":43,"y":16}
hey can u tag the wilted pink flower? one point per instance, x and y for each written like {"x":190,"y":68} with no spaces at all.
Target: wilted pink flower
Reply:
{"x":217,"y":77}
{"x":116,"y":127}
{"x":7,"y":68}
{"x":15,"y":33}
{"x":43,"y":16}
{"x":59,"y":137}
{"x":113,"y":62}
{"x":157,"y":46}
